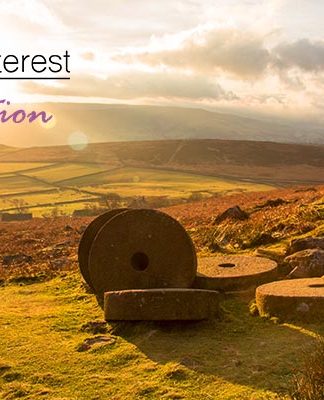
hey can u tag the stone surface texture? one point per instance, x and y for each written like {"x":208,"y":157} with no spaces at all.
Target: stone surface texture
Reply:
{"x":161,"y":304}
{"x":306,"y":263}
{"x":230,"y":273}
{"x":87,"y":239}
{"x":142,"y":249}
{"x":301,"y":299}
{"x":305,"y":243}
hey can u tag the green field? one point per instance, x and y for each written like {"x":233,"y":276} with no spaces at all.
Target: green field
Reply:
{"x":236,"y":357}
{"x":11,"y":184}
{"x":50,"y":198}
{"x":42,"y":187}
{"x":64,"y":172}
{"x":21,"y":166}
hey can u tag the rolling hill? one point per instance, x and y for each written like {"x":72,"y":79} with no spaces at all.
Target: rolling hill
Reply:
{"x":103,"y":123}
{"x":58,"y":178}
{"x":255,"y":161}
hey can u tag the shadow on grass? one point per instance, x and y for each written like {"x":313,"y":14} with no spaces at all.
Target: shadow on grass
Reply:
{"x":239,"y":348}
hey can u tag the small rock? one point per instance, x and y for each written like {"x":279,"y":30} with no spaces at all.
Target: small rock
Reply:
{"x":272,"y":203}
{"x":68,"y":228}
{"x":306,"y":263}
{"x":95,"y":341}
{"x":60,"y":263}
{"x":306,"y":243}
{"x":16,"y":259}
{"x":95,"y":327}
{"x":234,"y":213}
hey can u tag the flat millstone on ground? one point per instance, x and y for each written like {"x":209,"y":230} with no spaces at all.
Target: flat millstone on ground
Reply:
{"x":161,"y":304}
{"x":231,"y":272}
{"x":301,"y":299}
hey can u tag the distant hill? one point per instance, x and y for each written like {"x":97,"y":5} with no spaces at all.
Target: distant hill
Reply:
{"x":103,"y":123}
{"x":5,"y":149}
{"x":247,"y":160}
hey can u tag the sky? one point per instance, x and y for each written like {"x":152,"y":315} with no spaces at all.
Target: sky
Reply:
{"x":247,"y":56}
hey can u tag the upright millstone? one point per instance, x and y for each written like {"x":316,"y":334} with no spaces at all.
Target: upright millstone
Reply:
{"x":141,"y":249}
{"x":87,"y":239}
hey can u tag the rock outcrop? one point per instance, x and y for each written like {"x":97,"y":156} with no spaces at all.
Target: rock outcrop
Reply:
{"x":305,"y":243}
{"x":233,"y":213}
{"x":307,"y":263}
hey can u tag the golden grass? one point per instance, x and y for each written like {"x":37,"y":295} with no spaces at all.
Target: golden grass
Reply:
{"x":21,"y":166}
{"x":237,"y":357}
{"x":158,"y":182}
{"x":13,"y":184}
{"x":65,"y":171}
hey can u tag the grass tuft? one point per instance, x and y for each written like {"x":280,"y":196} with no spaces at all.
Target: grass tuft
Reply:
{"x":308,"y":380}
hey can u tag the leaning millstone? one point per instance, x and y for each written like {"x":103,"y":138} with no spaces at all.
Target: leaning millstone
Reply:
{"x":234,"y":273}
{"x":142,"y":249}
{"x":306,"y":264}
{"x":301,"y":299}
{"x":297,"y":245}
{"x":87,"y":239}
{"x":161,"y":305}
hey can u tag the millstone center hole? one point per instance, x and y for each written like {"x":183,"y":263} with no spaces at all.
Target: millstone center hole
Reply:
{"x":226,"y":265}
{"x":140,"y":261}
{"x":317,"y":285}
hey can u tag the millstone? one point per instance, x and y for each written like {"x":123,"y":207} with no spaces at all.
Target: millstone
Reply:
{"x":87,"y":239}
{"x":301,"y":299}
{"x":142,"y":249}
{"x":161,"y":304}
{"x":232,"y":273}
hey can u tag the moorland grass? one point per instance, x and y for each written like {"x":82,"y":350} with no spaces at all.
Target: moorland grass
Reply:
{"x":236,"y":357}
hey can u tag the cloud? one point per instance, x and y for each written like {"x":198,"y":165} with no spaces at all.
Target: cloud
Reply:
{"x":88,"y":56}
{"x":132,"y":85}
{"x":239,"y":53}
{"x":113,"y":24}
{"x":243,"y":55}
{"x":304,"y":54}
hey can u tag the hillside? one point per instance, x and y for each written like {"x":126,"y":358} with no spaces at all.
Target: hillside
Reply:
{"x":5,"y":149}
{"x":46,"y":312}
{"x":103,"y":123}
{"x":259,"y":161}
{"x":52,"y":242}
{"x":60,"y":180}
{"x":275,"y":217}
